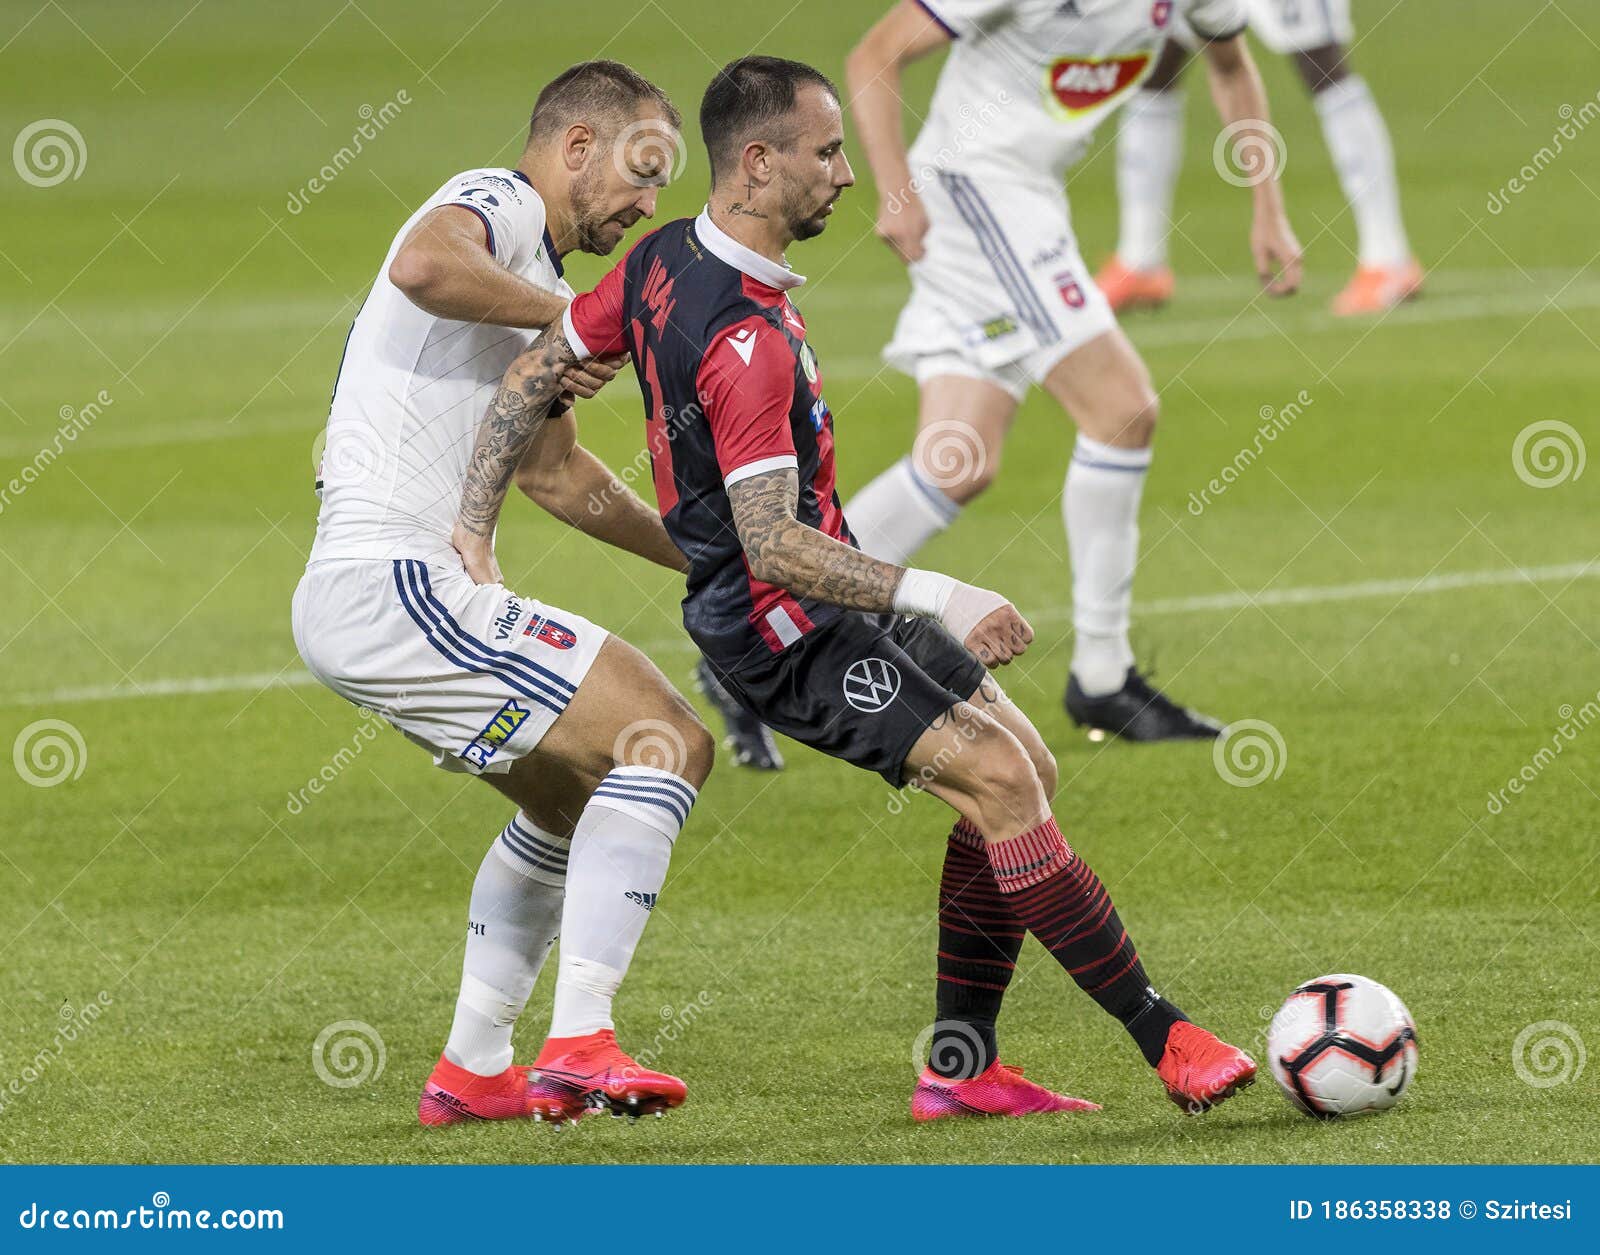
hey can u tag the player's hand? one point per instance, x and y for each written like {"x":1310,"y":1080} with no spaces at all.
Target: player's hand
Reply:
{"x":477,"y":556}
{"x":987,"y":624}
{"x":1277,"y":253}
{"x":585,"y":378}
{"x":903,"y":224}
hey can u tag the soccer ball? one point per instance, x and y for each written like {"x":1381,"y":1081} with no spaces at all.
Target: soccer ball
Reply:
{"x":1341,"y":1045}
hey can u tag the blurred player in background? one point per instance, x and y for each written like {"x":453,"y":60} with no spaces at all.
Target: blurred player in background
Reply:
{"x":1150,"y":151}
{"x":532,"y":698}
{"x":872,"y":663}
{"x":1001,"y":300}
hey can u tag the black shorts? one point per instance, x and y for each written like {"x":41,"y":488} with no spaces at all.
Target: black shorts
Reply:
{"x":863,"y":688}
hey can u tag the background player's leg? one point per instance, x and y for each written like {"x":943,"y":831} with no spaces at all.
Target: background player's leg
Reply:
{"x":961,"y":429}
{"x":1104,"y":386}
{"x":1149,"y":157}
{"x":1358,"y":142}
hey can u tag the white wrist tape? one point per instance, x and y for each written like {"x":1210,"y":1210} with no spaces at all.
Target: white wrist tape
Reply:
{"x":924,"y":593}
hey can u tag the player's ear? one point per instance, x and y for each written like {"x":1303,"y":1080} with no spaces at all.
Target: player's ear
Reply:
{"x":758,"y":162}
{"x":577,"y":144}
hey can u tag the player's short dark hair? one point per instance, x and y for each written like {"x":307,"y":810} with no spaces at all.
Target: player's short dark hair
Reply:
{"x":596,"y":91}
{"x":749,"y":99}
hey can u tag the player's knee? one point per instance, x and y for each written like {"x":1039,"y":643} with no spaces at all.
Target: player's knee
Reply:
{"x":1011,"y":791}
{"x":699,"y":749}
{"x":1139,"y":420}
{"x":960,"y":467}
{"x":1044,"y":766}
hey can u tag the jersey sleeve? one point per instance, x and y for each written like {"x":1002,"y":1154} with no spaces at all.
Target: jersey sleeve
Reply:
{"x":1217,"y":19}
{"x":746,"y":386}
{"x":966,"y":17}
{"x":511,"y":212}
{"x":593,"y":321}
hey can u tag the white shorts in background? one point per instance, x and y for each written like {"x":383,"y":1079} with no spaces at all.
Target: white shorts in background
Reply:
{"x":1001,"y":292}
{"x":471,"y":672}
{"x":1286,"y":26}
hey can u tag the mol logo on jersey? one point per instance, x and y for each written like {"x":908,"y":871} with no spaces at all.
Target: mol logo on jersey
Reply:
{"x":1079,"y":84}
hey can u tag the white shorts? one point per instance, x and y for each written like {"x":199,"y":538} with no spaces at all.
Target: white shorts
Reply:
{"x":1001,"y":292}
{"x":471,"y":672}
{"x":1287,"y":26}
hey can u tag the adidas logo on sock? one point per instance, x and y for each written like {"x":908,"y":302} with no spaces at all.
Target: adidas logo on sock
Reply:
{"x":646,"y":900}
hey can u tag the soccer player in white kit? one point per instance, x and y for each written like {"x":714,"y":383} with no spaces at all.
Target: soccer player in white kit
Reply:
{"x":1150,"y":151}
{"x":599,"y":753}
{"x":1001,"y":299}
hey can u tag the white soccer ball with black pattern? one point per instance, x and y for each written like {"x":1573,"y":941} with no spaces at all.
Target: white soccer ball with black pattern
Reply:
{"x":1341,"y":1045}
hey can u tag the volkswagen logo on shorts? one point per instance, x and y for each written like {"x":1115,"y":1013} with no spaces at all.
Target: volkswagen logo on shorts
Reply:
{"x":870,"y":684}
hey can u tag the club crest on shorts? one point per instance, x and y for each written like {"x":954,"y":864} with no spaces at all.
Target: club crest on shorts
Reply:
{"x":1161,"y":13}
{"x":870,"y":684}
{"x":1071,"y":290}
{"x":496,"y":733}
{"x":549,"y":632}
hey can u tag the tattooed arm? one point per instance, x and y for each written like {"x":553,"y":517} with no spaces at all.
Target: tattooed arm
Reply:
{"x":533,"y":384}
{"x":779,"y":549}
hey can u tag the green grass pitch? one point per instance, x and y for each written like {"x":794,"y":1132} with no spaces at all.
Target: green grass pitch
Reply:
{"x":175,"y":934}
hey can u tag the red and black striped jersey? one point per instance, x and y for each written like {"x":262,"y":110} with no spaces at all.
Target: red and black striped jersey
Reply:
{"x":731,"y":389}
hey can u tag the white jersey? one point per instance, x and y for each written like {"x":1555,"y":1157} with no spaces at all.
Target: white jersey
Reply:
{"x":412,"y":389}
{"x":1027,"y":81}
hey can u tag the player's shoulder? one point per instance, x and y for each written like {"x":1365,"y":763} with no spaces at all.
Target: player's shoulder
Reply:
{"x":494,"y":186}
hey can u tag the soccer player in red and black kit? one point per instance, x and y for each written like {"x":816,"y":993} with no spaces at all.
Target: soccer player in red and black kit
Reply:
{"x":876,"y":664}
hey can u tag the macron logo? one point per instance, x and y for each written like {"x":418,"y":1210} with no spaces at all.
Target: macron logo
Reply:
{"x":744,"y":343}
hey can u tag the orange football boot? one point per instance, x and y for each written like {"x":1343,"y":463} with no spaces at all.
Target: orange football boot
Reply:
{"x":1200,"y":1070}
{"x":574,"y":1072}
{"x":1000,"y":1090}
{"x":1374,"y":289}
{"x":1128,"y":289}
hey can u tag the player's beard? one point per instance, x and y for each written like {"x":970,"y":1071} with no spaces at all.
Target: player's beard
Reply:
{"x":801,"y":213}
{"x":588,"y":213}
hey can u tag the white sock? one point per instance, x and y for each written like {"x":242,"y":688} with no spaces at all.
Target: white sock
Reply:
{"x":1358,"y":142}
{"x":620,"y":853}
{"x":899,"y":512}
{"x":1100,"y":507}
{"x":1149,"y":156}
{"x":514,"y":917}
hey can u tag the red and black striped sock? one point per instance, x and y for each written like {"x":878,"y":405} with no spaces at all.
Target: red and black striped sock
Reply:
{"x":979,"y":939}
{"x":1062,"y":902}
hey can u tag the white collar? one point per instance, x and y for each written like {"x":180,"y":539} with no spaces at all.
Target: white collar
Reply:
{"x":746,"y":260}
